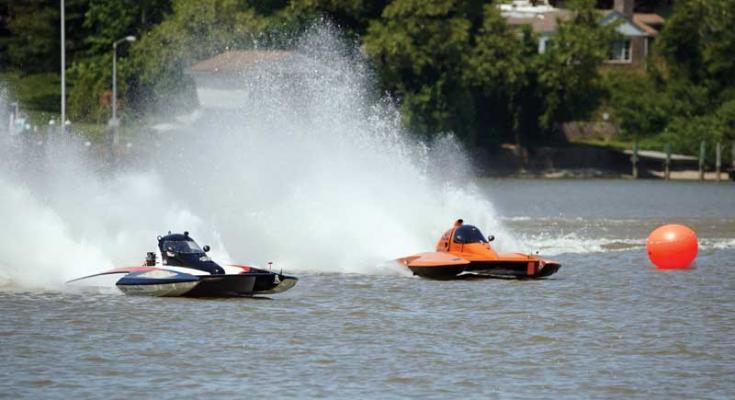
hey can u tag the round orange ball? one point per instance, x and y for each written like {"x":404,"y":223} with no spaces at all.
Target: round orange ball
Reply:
{"x":672,"y":246}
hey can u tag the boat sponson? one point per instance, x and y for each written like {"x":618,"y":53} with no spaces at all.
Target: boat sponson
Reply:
{"x":160,"y":282}
{"x":157,"y":282}
{"x":283,"y":284}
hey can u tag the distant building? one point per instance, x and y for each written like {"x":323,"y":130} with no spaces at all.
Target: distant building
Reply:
{"x":638,"y":30}
{"x":219,"y":80}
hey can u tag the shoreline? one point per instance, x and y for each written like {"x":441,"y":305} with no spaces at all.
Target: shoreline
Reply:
{"x":685,"y":175}
{"x":577,"y":161}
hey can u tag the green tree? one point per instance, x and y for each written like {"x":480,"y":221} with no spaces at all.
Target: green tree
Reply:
{"x":353,"y":16}
{"x":30,"y":49}
{"x":106,"y":21}
{"x":568,"y":72}
{"x":498,"y":71}
{"x":32,"y":38}
{"x":686,"y":96}
{"x":152,"y":71}
{"x":194,"y":31}
{"x":420,"y":48}
{"x":34,"y":46}
{"x":639,"y":108}
{"x":698,"y":44}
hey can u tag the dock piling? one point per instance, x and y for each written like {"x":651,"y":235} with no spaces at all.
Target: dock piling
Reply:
{"x":702,"y":149}
{"x":718,"y":160}
{"x":634,"y":159}
{"x":667,"y":163}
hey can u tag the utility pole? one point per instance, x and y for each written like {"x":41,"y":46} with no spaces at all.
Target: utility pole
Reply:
{"x":114,"y":122}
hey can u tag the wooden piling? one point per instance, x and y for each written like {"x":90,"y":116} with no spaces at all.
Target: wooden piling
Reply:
{"x":634,"y":159}
{"x":702,"y":149}
{"x":667,"y":163}
{"x":718,"y":159}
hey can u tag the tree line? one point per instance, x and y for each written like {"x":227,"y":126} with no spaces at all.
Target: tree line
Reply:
{"x":452,"y":65}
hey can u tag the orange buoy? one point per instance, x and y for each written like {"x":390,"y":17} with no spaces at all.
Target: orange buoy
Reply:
{"x":672,"y":246}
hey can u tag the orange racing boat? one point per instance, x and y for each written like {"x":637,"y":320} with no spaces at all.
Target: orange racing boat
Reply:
{"x":463,"y":252}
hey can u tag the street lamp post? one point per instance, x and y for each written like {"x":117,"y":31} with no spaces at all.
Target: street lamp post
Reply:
{"x":63,"y":67}
{"x":114,"y":122}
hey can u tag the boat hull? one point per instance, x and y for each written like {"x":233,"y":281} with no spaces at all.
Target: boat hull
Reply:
{"x":488,"y":269}
{"x":165,"y":283}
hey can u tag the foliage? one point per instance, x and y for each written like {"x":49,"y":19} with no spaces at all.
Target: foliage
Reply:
{"x":90,"y":78}
{"x":420,"y":49}
{"x":33,"y":32}
{"x":639,"y":107}
{"x":687,"y":95}
{"x":107,"y":21}
{"x":453,"y":65}
{"x":686,"y":133}
{"x":498,"y":71}
{"x":35,"y":36}
{"x":194,"y":31}
{"x":568,"y":71}
{"x":34,"y":91}
{"x":351,"y":15}
{"x":698,"y":43}
{"x":496,"y":63}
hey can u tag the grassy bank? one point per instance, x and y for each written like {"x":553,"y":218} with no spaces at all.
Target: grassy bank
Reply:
{"x":38,"y":94}
{"x":658,"y":143}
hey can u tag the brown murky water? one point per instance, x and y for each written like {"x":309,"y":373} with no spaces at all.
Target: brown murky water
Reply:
{"x":606,"y":326}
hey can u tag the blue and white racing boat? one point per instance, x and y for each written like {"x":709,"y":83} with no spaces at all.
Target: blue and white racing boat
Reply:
{"x":186,"y":270}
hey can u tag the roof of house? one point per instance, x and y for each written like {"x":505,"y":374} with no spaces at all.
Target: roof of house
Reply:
{"x":238,"y":60}
{"x":544,"y":19}
{"x":546,"y":22}
{"x":651,"y":23}
{"x":628,"y":27}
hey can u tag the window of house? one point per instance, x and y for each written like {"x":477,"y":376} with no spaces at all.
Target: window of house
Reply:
{"x":620,"y":51}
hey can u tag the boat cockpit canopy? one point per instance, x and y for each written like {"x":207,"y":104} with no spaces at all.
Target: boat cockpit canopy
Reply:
{"x":468,"y":234}
{"x":178,"y":243}
{"x":182,"y":246}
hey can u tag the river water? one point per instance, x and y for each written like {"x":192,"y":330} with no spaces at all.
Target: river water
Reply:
{"x":607,"y":325}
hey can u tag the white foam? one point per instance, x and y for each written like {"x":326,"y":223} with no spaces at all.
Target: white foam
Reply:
{"x":312,"y":171}
{"x":35,"y":243}
{"x":551,"y":244}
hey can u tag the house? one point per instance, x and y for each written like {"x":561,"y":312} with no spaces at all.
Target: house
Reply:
{"x":542,"y":17}
{"x":224,"y":83}
{"x":219,"y":80}
{"x":637,"y":30}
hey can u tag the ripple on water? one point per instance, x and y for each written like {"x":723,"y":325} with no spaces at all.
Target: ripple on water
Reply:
{"x":605,"y":326}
